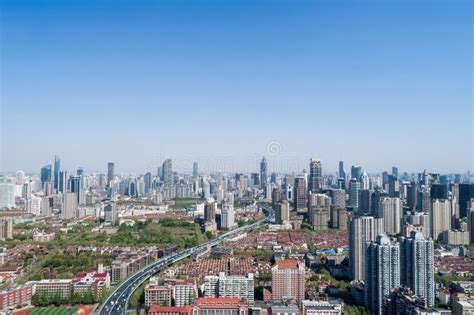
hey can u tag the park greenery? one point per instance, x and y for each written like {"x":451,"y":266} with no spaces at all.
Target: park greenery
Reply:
{"x":57,"y":299}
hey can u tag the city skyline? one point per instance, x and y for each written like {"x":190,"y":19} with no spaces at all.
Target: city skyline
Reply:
{"x":375,"y":83}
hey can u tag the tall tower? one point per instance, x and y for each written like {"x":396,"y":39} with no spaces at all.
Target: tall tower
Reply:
{"x":195,"y":169}
{"x":390,"y":209}
{"x":110,"y":173}
{"x":416,"y":266}
{"x":354,"y":187}
{"x":57,"y":167}
{"x":315,"y":175}
{"x":382,"y":272}
{"x":300,"y":197}
{"x":263,"y":174}
{"x":45,"y":174}
{"x":440,"y":217}
{"x":342,"y":173}
{"x":167,"y":170}
{"x":361,"y":230}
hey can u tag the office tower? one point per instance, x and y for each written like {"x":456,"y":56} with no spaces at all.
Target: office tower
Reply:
{"x":230,"y":286}
{"x":424,"y":200}
{"x":393,"y":187}
{"x":69,"y":206}
{"x":7,"y":196}
{"x":338,"y":197}
{"x":361,"y":230}
{"x":390,"y":209}
{"x":63,"y":182}
{"x":466,"y":192}
{"x":354,"y":187}
{"x":6,"y":228}
{"x":167,"y":170}
{"x":255,"y":180}
{"x":365,"y":198}
{"x":210,"y":211}
{"x":282,"y":213}
{"x":441,"y":213}
{"x":315,"y":175}
{"x":300,"y":193}
{"x":147,"y":182}
{"x":470,"y":219}
{"x":439,"y":191}
{"x":288,"y":277}
{"x":80,"y":174}
{"x":342,"y":173}
{"x":227,"y":216}
{"x":417,"y":267}
{"x":412,"y":196}
{"x":195,"y":169}
{"x":382,"y":272}
{"x":75,"y":186}
{"x":45,"y":174}
{"x":57,"y":168}
{"x":276,"y":197}
{"x":110,"y":215}
{"x":364,"y":181}
{"x":395,"y":171}
{"x":19,"y":178}
{"x":48,"y":188}
{"x":263,"y":173}
{"x":110,"y":173}
{"x":356,"y":172}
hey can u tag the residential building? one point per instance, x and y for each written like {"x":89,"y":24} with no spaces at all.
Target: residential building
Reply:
{"x":288,"y":279}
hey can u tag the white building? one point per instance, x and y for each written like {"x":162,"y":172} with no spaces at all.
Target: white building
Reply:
{"x":227,"y":217}
{"x":7,"y":196}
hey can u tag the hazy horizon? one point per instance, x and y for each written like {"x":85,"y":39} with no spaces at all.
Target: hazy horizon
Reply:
{"x":374,"y":83}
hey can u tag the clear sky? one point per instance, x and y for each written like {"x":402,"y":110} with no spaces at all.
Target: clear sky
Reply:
{"x":224,"y":82}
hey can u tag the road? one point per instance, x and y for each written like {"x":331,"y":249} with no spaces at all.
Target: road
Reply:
{"x":117,"y":301}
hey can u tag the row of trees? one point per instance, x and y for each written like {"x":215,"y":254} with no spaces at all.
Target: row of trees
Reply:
{"x":42,"y":299}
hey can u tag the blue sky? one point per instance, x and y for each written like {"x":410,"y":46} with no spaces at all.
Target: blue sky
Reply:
{"x":375,"y":82}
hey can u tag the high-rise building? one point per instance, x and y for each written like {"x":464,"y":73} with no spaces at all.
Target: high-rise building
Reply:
{"x":7,"y":195}
{"x":393,"y":186}
{"x":466,"y":192}
{"x":365,"y":199}
{"x":147,"y":180}
{"x":390,"y":209}
{"x":263,"y":174}
{"x":338,"y":218}
{"x":63,"y":181}
{"x":6,"y":228}
{"x":288,"y":278}
{"x":338,"y":197}
{"x":282,"y":213}
{"x":195,"y":169}
{"x":227,"y":216}
{"x":276,"y":197}
{"x":69,"y":206}
{"x":110,"y":215}
{"x":361,"y":230}
{"x":417,"y":267}
{"x":300,"y":193}
{"x":440,"y":215}
{"x":75,"y":187}
{"x":412,"y":196}
{"x":342,"y":173}
{"x":19,"y":178}
{"x":110,"y":173}
{"x":57,"y":168}
{"x":45,"y":174}
{"x":320,"y":219}
{"x":210,"y":211}
{"x":364,"y":181}
{"x":382,"y":272}
{"x":315,"y":175}
{"x":395,"y":171}
{"x":354,"y":187}
{"x":167,"y":170}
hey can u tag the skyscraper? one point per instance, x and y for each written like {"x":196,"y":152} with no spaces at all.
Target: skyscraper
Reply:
{"x":417,"y":267}
{"x":282,"y":213}
{"x":110,"y":173}
{"x":167,"y":170}
{"x":227,"y":216}
{"x":69,"y":206}
{"x":361,"y":230}
{"x":195,"y":169}
{"x":342,"y":173}
{"x":315,"y":175}
{"x":62,"y":184}
{"x":440,"y":215}
{"x":45,"y":174}
{"x":147,"y":182}
{"x":7,"y":195}
{"x":57,"y":168}
{"x":395,"y":171}
{"x":382,"y":272}
{"x":210,"y":211}
{"x":263,"y":174}
{"x":300,"y":198}
{"x":466,"y":192}
{"x":390,"y":209}
{"x":354,"y":187}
